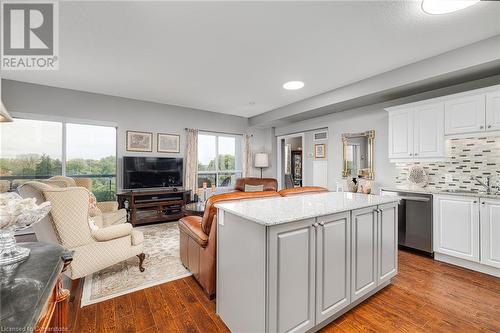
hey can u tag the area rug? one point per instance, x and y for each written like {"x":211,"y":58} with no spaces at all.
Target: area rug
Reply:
{"x":162,"y":263}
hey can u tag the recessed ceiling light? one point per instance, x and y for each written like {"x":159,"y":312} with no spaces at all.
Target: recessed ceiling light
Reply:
{"x":293,"y":85}
{"x":437,"y":7}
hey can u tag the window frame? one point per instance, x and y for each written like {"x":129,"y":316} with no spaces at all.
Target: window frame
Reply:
{"x":217,"y":171}
{"x":64,"y":121}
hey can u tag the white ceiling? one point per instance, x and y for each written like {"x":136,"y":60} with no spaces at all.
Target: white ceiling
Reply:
{"x":221,"y":56}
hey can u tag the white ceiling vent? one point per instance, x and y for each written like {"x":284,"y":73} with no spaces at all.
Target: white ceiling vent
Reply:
{"x":321,"y":135}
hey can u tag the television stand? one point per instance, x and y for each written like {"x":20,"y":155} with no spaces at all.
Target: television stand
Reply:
{"x":153,"y":206}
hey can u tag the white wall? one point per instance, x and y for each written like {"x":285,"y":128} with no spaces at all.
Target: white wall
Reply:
{"x":354,"y":121}
{"x":126,"y":114}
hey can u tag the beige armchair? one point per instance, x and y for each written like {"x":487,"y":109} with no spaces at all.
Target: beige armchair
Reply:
{"x":107,"y":211}
{"x":95,"y":245}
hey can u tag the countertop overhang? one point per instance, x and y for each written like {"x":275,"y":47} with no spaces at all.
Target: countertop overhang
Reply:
{"x":278,"y":210}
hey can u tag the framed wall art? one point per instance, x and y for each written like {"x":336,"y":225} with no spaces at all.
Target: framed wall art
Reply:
{"x":139,"y":141}
{"x":320,"y":150}
{"x":169,"y":143}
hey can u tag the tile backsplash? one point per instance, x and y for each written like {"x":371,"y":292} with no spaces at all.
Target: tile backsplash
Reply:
{"x":479,"y":157}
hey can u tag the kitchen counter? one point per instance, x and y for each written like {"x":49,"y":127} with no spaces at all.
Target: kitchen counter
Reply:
{"x":444,"y":192}
{"x":277,"y":210}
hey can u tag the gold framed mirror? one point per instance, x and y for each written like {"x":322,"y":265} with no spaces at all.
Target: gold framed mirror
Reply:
{"x":358,"y":153}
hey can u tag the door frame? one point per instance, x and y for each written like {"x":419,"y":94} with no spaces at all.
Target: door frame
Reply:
{"x":279,"y":171}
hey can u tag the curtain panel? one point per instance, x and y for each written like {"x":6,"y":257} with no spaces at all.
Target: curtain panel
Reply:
{"x":247,"y":156}
{"x":191,"y":177}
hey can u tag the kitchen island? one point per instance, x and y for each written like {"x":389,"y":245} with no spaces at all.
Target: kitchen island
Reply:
{"x":294,"y":264}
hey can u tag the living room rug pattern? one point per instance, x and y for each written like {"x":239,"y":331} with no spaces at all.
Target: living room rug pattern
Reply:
{"x":162,"y":263}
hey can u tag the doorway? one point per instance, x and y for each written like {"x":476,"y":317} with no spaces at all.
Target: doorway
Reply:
{"x":291,"y":160}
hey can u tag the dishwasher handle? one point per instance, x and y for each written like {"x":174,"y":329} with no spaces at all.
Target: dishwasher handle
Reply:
{"x":409,"y":198}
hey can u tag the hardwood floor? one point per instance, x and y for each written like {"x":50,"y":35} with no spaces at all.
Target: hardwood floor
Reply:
{"x":426,"y":296}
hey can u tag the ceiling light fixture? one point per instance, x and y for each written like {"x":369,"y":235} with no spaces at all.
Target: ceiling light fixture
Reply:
{"x":293,"y":85}
{"x":436,"y":7}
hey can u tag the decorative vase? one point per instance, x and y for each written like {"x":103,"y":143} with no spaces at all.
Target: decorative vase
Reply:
{"x":16,"y":214}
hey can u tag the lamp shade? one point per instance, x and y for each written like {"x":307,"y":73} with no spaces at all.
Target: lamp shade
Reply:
{"x":261,"y":160}
{"x":4,"y":115}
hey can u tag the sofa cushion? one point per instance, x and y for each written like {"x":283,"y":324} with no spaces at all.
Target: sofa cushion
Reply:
{"x":254,"y":188}
{"x":270,"y":184}
{"x":191,"y":225}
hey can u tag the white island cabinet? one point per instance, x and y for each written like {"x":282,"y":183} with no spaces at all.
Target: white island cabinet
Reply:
{"x":285,"y":264}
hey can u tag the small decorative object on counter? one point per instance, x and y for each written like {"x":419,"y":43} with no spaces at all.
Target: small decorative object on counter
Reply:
{"x":352,"y":185}
{"x":16,"y":214}
{"x":417,"y":177}
{"x":365,"y":188}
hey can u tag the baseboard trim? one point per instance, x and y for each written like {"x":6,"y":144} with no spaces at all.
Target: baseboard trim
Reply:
{"x":478,"y":267}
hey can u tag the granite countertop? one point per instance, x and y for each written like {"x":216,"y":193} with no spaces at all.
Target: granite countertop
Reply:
{"x":495,"y":196}
{"x":278,"y":210}
{"x":26,"y":286}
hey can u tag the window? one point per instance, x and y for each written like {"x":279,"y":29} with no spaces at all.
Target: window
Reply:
{"x":30,"y":149}
{"x":91,"y":152}
{"x":34,"y":149}
{"x":219,"y":159}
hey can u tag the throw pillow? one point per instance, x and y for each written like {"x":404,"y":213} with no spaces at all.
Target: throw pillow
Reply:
{"x":254,"y":188}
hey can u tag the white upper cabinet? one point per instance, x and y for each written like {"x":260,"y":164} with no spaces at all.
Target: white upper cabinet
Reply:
{"x":465,"y":114}
{"x":429,"y":130}
{"x":493,"y":111}
{"x":417,"y":132}
{"x":401,"y":133}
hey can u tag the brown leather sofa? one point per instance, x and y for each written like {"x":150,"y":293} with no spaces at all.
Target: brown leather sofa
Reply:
{"x":198,"y":234}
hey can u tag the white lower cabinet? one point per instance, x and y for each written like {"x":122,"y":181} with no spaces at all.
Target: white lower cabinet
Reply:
{"x":456,"y":226}
{"x":319,"y":267}
{"x":333,"y":265}
{"x":291,"y":272}
{"x":467,"y":232}
{"x":364,"y":252}
{"x":387,"y":242}
{"x":490,"y":232}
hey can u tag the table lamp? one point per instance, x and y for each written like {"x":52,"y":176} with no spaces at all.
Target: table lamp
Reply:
{"x":261,"y":161}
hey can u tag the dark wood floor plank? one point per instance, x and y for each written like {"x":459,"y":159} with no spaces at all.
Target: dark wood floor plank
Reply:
{"x":123,"y":306}
{"x":142,"y":313}
{"x":195,"y":309}
{"x":126,"y":324}
{"x":161,"y":313}
{"x":426,"y":296}
{"x":173,"y":300}
{"x":106,"y":318}
{"x":86,"y":319}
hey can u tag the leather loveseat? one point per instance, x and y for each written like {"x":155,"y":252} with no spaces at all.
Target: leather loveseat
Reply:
{"x":198,"y":234}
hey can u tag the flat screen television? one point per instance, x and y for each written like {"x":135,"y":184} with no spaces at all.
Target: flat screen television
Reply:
{"x":152,"y":172}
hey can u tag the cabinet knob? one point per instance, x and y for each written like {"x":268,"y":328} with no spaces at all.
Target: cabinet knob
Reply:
{"x":416,"y":154}
{"x":489,"y":126}
{"x":322,"y":224}
{"x":410,"y":154}
{"x":481,"y":127}
{"x":474,"y":201}
{"x":315,"y":225}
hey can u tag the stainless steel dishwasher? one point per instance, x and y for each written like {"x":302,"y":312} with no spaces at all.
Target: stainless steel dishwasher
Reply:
{"x":414,"y":220}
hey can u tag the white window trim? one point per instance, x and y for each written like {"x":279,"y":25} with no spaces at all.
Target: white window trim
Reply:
{"x":217,"y":171}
